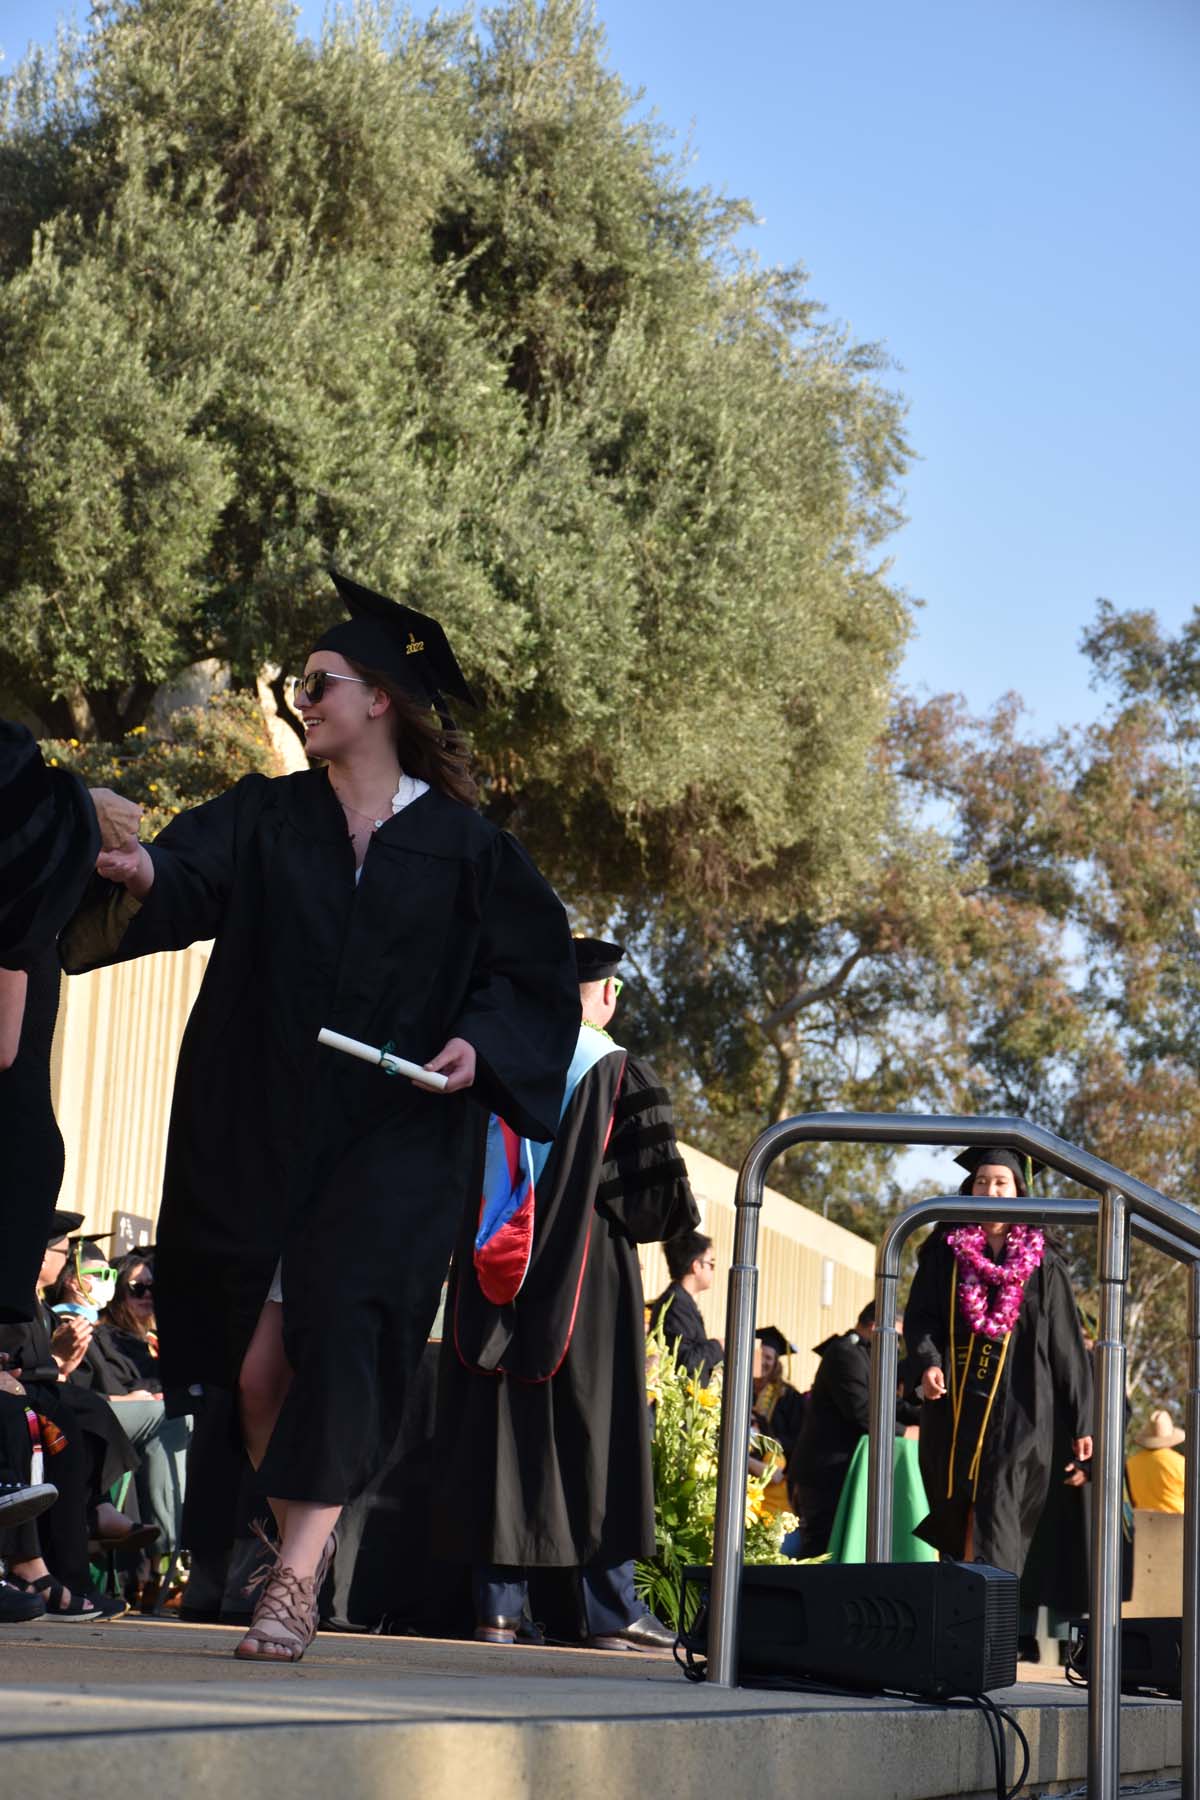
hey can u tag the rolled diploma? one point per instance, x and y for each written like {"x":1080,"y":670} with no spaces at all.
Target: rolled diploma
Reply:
{"x":383,"y":1059}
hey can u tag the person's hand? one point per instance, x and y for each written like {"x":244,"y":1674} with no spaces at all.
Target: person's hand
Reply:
{"x":10,"y":1385}
{"x":134,"y":1394}
{"x":457,"y":1062}
{"x":69,"y":1342}
{"x":1081,"y":1449}
{"x":131,"y":866}
{"x":778,"y":1474}
{"x":933,"y":1384}
{"x":119,"y":818}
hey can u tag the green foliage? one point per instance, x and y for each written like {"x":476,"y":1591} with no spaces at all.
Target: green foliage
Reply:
{"x":683,"y":1452}
{"x":441,"y":305}
{"x":210,"y":747}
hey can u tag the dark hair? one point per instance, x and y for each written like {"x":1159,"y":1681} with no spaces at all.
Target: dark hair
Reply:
{"x":682,"y":1251}
{"x":118,"y":1312}
{"x":867,"y":1315}
{"x":426,"y":749}
{"x":56,"y":1293}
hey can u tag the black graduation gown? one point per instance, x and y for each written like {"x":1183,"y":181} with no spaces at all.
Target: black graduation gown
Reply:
{"x":278,"y":1146}
{"x":1046,"y":1371}
{"x":552,"y":1463}
{"x":685,"y":1332}
{"x":33,"y":1145}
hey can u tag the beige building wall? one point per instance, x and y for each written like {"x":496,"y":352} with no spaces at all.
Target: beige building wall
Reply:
{"x":814,"y":1277}
{"x":115,"y":1051}
{"x":112,"y":1071}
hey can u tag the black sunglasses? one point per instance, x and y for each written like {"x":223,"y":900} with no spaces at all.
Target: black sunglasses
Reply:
{"x":313,"y":686}
{"x":139,"y":1289}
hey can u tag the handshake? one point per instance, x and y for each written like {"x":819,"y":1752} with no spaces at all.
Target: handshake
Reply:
{"x":119,"y":819}
{"x":122,"y":859}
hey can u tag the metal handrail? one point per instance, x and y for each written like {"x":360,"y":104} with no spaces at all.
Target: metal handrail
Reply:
{"x":1125,"y":1204}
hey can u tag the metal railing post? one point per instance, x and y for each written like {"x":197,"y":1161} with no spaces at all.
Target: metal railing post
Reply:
{"x":1191,"y":1550}
{"x":737,"y":1388}
{"x":1127,"y":1207}
{"x":1104,"y":1628}
{"x":885,"y":1364}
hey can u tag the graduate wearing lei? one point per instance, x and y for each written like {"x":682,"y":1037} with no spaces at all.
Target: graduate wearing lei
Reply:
{"x":992,"y":1324}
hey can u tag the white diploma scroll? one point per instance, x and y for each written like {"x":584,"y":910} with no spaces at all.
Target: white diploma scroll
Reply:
{"x":383,"y":1059}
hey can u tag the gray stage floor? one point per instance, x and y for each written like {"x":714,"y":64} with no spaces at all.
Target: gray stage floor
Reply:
{"x":159,"y":1709}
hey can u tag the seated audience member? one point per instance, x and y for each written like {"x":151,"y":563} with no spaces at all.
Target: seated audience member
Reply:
{"x":22,"y":1499}
{"x":87,"y":1283}
{"x":691,"y":1264}
{"x":1156,"y":1470}
{"x":42,"y":1355}
{"x":59,"y":1532}
{"x":128,"y":1323}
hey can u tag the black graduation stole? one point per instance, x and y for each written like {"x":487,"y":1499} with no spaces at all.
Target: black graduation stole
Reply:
{"x":976,"y":1370}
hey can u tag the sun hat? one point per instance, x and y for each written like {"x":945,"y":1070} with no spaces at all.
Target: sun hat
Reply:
{"x":1162,"y":1433}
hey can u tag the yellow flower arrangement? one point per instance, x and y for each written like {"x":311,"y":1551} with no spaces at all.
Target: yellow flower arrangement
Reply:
{"x":683,"y":1448}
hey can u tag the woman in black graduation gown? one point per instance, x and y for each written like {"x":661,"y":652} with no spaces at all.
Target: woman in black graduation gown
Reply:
{"x":369,"y":896}
{"x":992,"y":1324}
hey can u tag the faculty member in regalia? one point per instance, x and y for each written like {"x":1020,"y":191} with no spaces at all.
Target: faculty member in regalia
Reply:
{"x":542,"y":1387}
{"x":303,"y":1186}
{"x":992,"y":1324}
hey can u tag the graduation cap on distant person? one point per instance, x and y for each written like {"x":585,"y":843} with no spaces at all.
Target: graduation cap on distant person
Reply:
{"x":1024,"y":1167}
{"x":397,"y":640}
{"x":773,"y":1338}
{"x":596,"y":959}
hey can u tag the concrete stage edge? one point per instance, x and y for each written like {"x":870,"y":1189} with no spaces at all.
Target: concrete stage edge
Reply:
{"x":155,"y":1710}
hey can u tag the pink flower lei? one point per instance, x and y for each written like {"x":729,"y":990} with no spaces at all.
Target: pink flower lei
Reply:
{"x":989,"y":1293}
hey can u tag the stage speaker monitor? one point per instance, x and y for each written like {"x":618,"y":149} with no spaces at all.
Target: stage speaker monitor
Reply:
{"x":920,"y":1628}
{"x":1151,"y":1655}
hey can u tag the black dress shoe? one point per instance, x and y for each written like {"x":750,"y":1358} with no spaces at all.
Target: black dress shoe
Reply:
{"x":17,"y":1608}
{"x":497,"y":1631}
{"x":646,"y":1633}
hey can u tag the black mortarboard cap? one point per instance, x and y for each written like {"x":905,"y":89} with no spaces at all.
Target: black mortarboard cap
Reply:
{"x":596,"y":960}
{"x":1024,"y":1166}
{"x":408,"y":645}
{"x":62,"y":1224}
{"x":774,"y":1339}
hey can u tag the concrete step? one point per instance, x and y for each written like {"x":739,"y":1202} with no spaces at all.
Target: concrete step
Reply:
{"x":157,"y":1710}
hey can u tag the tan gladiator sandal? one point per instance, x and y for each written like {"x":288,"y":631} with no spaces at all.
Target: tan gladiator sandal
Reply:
{"x":284,"y":1621}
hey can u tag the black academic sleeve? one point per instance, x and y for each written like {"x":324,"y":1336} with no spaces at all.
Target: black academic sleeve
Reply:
{"x":1069,"y":1360}
{"x":925,"y":1314}
{"x":195,"y":861}
{"x":644,"y":1191}
{"x":521,"y":1014}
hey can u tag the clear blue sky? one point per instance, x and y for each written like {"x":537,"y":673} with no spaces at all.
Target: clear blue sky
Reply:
{"x":1004,"y":194}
